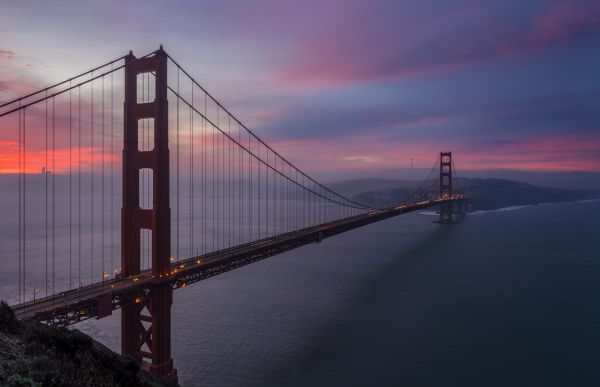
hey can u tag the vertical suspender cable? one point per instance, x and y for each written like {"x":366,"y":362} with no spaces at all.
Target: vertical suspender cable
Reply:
{"x":248,"y":197}
{"x":147,"y":178}
{"x":20,"y":200}
{"x":213,"y":208}
{"x":259,"y":192}
{"x":219,"y":192}
{"x":204,"y":216}
{"x":70,"y":187}
{"x":223,"y":191}
{"x":192,"y":175}
{"x":46,"y":194}
{"x":177,"y":248}
{"x":92,"y":178}
{"x":229,"y":150}
{"x":267,"y":191}
{"x":24,"y":200}
{"x":102,"y":185}
{"x":275,"y":193}
{"x":240,"y":207}
{"x":149,"y":173}
{"x":112,"y":174}
{"x":219,"y":225}
{"x":79,"y":187}
{"x":53,"y":193}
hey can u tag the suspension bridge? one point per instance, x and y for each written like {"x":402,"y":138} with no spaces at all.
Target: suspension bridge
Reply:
{"x":102,"y":218}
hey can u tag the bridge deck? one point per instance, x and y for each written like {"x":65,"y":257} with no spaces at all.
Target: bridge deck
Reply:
{"x":98,"y":300}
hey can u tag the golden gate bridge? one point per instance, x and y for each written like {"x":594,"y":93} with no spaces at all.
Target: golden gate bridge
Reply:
{"x":200,"y":194}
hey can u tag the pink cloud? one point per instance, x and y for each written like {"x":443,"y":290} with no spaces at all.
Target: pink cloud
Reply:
{"x":333,"y":56}
{"x":562,"y":22}
{"x":370,"y":151}
{"x":565,"y":151}
{"x":6,"y":54}
{"x":57,"y":160}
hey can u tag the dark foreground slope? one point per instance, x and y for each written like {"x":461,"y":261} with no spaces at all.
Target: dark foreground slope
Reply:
{"x":33,"y":354}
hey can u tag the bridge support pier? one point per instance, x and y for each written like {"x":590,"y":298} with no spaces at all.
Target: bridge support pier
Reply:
{"x":446,"y":209}
{"x":146,"y":316}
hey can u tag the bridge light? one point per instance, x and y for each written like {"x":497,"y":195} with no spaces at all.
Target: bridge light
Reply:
{"x":172,"y":259}
{"x":198,"y":261}
{"x":138,"y":300}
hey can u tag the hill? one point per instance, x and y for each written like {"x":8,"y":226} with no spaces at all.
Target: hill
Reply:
{"x":33,"y":354}
{"x":484,"y":194}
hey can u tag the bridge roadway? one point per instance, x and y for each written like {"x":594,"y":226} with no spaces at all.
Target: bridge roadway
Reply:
{"x":99,"y":299}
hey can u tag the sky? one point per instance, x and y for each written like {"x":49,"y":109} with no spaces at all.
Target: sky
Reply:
{"x":352,"y":87}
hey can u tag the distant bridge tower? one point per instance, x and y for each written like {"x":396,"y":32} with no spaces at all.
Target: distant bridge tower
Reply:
{"x":146,"y":316}
{"x":446,"y":186}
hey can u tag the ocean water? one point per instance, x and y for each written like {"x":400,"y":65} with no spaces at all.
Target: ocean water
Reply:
{"x":505,"y":298}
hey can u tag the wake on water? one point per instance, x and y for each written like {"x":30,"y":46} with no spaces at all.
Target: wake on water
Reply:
{"x":514,"y":208}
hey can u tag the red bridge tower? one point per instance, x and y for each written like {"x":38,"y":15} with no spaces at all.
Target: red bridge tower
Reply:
{"x":146,"y":318}
{"x":446,"y":209}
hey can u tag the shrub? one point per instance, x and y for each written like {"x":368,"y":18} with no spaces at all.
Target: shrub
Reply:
{"x":17,"y":380}
{"x":8,"y":320}
{"x":46,"y":371}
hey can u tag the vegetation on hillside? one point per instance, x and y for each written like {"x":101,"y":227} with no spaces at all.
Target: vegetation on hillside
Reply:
{"x":33,"y":354}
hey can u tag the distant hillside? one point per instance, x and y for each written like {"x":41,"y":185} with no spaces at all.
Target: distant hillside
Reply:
{"x":357,"y":186}
{"x":484,"y":194}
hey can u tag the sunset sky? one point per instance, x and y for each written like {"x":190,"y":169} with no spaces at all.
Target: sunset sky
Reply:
{"x":352,"y":85}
